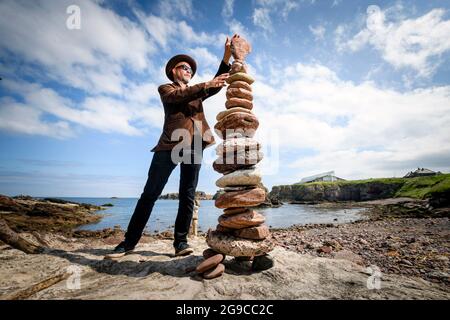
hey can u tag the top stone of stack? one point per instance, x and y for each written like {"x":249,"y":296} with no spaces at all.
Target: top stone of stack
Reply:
{"x":240,"y":48}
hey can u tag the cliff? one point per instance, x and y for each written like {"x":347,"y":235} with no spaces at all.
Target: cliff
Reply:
{"x":436,"y":188}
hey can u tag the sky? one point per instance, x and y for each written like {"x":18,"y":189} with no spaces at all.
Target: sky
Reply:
{"x":359,"y":88}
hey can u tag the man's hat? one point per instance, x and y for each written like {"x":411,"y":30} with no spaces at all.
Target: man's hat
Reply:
{"x":177,"y":59}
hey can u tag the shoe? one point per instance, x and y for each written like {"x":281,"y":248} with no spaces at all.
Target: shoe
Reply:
{"x":183,"y":249}
{"x":119,"y":251}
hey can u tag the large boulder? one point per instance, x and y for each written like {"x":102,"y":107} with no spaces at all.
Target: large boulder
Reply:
{"x":237,"y":247}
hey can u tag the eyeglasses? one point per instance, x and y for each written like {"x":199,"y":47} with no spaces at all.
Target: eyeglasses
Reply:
{"x":186,"y":68}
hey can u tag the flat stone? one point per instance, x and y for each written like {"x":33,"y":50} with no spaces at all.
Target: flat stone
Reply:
{"x":238,"y":161}
{"x":237,"y":121}
{"x":238,"y":66}
{"x":239,"y":188}
{"x":228,"y":168}
{"x":240,"y":84}
{"x":249,"y":218}
{"x":208,"y":253}
{"x":245,"y":198}
{"x":245,"y":177}
{"x":238,"y":102}
{"x":239,"y":93}
{"x":214,"y":273}
{"x":225,"y":113}
{"x":237,"y":247}
{"x":237,"y":144}
{"x":210,"y":263}
{"x":234,"y":210}
{"x":223,"y":229}
{"x":240,"y":48}
{"x":240,"y":76}
{"x":255,"y":233}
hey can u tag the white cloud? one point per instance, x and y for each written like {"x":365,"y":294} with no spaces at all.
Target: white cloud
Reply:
{"x":261,"y":18}
{"x":238,"y":28}
{"x":130,"y":117}
{"x":318,"y":32}
{"x":265,"y":8}
{"x":18,"y":117}
{"x":79,"y":58}
{"x":288,"y":7}
{"x":336,"y":3}
{"x":413,"y":43}
{"x":167,"y":31}
{"x":174,"y":8}
{"x":358,"y":130}
{"x":204,"y":58}
{"x":227,"y":10}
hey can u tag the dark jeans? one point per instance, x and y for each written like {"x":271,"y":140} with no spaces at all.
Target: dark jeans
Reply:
{"x":158,"y":174}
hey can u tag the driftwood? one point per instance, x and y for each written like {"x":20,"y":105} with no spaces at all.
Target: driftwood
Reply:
{"x":42,"y":285}
{"x":14,"y":240}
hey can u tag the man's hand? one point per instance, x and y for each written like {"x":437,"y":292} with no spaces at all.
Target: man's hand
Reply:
{"x":217,"y":82}
{"x":227,"y":52}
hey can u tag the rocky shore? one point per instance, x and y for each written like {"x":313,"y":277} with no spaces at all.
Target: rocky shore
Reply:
{"x":26,"y":214}
{"x":406,"y":240}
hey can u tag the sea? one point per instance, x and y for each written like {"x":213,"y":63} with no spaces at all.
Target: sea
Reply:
{"x":164,"y":214}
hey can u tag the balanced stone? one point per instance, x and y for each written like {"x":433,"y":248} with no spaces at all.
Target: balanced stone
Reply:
{"x":237,"y":121}
{"x":234,"y":210}
{"x":239,"y":93}
{"x":240,"y":160}
{"x":214,"y":273}
{"x":223,"y":229}
{"x":228,"y":168}
{"x":240,"y":84}
{"x":238,"y":188}
{"x":238,"y":66}
{"x":209,"y":263}
{"x":237,"y":247}
{"x":256,"y":233}
{"x":227,"y":112}
{"x":243,"y":177}
{"x":245,"y":198}
{"x":238,"y":102}
{"x":237,"y":144}
{"x":240,"y":76}
{"x":249,"y":218}
{"x":240,"y":48}
{"x":208,"y":253}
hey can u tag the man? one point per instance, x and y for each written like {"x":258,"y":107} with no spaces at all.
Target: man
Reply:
{"x":183,"y":112}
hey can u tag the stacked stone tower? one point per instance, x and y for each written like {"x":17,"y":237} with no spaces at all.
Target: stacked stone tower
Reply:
{"x":241,"y":232}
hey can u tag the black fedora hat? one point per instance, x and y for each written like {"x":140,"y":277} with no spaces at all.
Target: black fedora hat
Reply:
{"x":177,"y":59}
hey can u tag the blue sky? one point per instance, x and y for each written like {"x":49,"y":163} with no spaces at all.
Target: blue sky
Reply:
{"x":361,"y":88}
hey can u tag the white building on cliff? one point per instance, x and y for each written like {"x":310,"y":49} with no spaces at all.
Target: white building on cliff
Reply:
{"x":326,"y":176}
